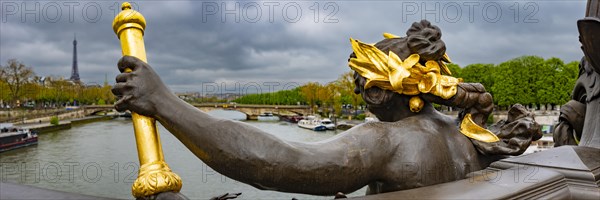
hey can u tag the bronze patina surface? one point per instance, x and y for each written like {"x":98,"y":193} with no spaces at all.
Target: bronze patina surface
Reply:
{"x":405,"y":150}
{"x":578,"y":123}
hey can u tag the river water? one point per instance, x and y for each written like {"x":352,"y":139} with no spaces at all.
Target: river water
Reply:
{"x":100,"y":159}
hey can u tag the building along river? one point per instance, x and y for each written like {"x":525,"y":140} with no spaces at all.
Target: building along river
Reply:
{"x":100,"y":159}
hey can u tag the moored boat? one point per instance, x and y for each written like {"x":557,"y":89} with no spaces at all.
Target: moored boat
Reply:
{"x":12,"y":137}
{"x":125,"y":114}
{"x":267,"y":117}
{"x":315,"y":124}
{"x":292,"y":119}
{"x":371,"y":119}
{"x":328,"y":124}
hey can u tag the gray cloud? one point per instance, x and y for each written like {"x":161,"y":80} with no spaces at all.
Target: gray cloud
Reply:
{"x":189,"y":45}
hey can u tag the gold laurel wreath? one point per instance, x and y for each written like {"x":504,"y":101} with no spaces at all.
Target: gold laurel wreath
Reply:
{"x":409,"y":77}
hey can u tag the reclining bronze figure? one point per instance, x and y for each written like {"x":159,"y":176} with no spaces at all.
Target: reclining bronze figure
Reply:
{"x":399,"y":78}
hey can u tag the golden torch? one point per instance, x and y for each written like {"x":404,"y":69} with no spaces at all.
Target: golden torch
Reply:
{"x":154,"y":175}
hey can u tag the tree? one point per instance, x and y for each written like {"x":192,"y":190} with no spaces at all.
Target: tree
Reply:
{"x":547,"y":83}
{"x":346,"y":86}
{"x":532,"y":80}
{"x":15,"y":74}
{"x":479,"y":73}
{"x":283,"y":97}
{"x":4,"y":92}
{"x":455,"y":69}
{"x":564,"y":81}
{"x":515,"y":81}
{"x":310,"y":91}
{"x":329,"y":96}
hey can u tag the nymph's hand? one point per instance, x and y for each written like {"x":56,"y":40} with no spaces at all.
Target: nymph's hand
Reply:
{"x":140,"y":90}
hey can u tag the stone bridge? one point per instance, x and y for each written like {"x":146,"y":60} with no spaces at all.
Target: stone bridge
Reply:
{"x":252,"y":111}
{"x":93,"y":109}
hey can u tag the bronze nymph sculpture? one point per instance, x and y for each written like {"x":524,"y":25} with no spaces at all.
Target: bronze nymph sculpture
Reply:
{"x":578,"y":118}
{"x":391,"y":155}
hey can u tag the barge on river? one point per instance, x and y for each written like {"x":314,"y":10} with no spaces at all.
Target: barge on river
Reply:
{"x":12,"y":137}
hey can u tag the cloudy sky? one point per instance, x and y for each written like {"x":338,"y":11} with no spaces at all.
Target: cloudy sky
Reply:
{"x":193,"y":44}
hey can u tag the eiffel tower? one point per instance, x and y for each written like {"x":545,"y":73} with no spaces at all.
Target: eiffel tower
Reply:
{"x":75,"y":70}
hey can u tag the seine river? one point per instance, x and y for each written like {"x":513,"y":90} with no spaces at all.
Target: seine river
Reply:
{"x":100,"y":159}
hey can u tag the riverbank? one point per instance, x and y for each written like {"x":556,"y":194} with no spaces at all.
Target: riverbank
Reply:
{"x":100,"y":159}
{"x":46,"y":127}
{"x":25,"y":116}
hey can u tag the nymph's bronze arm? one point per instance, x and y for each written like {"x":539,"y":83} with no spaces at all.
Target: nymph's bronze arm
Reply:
{"x":242,"y":152}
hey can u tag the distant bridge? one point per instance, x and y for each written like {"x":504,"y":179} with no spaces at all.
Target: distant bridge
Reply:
{"x":251,"y":111}
{"x":93,"y":109}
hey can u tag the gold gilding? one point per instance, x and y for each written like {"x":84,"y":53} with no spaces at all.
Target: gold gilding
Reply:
{"x":389,"y":36}
{"x":408,"y":77}
{"x":154,"y":176}
{"x":416,"y":104}
{"x":443,"y":67}
{"x":474,"y":131}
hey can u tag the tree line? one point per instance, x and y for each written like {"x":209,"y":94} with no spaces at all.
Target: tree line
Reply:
{"x":19,"y":86}
{"x":330,"y":97}
{"x":527,"y":80}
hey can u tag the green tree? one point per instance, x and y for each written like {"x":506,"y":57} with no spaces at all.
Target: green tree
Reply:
{"x":283,"y":97}
{"x":346,"y":89}
{"x":15,"y":74}
{"x":515,"y":81}
{"x":4,"y":91}
{"x":564,"y":81}
{"x":454,"y":69}
{"x":330,"y":97}
{"x":310,"y":92}
{"x":531,"y":80}
{"x":479,"y":73}
{"x":546,"y":88}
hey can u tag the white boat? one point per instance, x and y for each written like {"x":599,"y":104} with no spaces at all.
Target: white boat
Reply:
{"x":371,"y":119}
{"x":315,"y":124}
{"x":328,"y":124}
{"x":267,"y":117}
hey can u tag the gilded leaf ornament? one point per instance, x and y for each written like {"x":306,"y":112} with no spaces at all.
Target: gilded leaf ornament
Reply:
{"x":409,"y":77}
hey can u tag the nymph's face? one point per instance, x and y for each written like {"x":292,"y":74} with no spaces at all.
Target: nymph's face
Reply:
{"x":374,"y":96}
{"x":382,"y":103}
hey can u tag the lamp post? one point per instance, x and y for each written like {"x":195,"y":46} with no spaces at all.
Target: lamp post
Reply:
{"x":154,"y":175}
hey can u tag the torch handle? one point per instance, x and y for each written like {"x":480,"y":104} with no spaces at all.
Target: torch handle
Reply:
{"x":147,"y":140}
{"x":154,"y":176}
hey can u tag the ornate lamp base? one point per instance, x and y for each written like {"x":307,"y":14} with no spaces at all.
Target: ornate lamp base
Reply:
{"x":155,"y":178}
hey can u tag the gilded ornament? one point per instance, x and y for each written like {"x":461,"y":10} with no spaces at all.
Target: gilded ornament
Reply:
{"x":410,"y":77}
{"x":474,"y":131}
{"x":154,"y":176}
